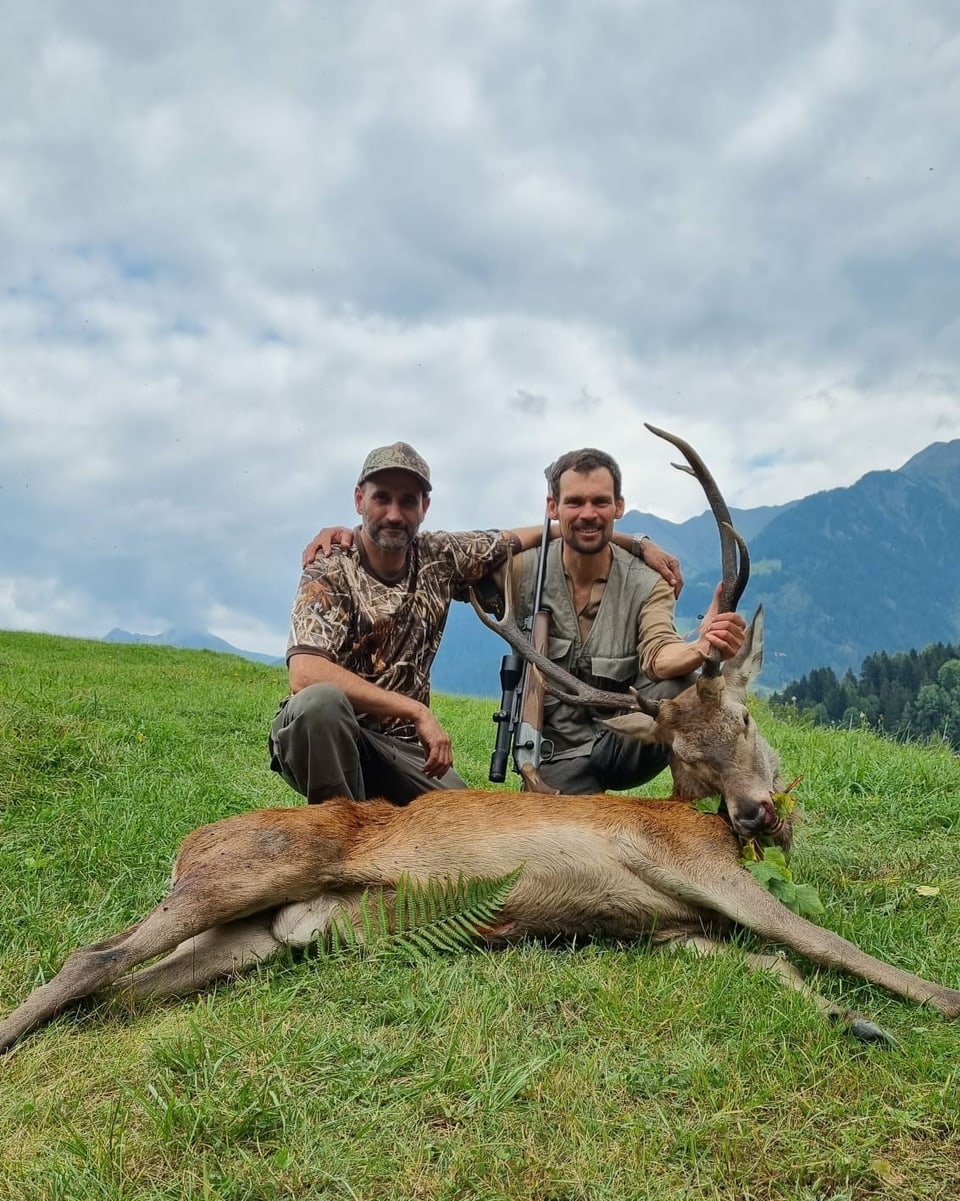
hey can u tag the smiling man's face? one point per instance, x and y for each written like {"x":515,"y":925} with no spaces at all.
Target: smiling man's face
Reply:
{"x":586,"y":509}
{"x":392,"y":506}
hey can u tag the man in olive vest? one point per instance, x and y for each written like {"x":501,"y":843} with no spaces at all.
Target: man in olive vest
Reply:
{"x":611,"y":625}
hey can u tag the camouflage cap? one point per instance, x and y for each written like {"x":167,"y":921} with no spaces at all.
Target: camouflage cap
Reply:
{"x":399,"y":457}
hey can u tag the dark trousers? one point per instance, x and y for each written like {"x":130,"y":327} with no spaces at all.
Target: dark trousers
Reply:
{"x":321,"y":750}
{"x":614,"y":763}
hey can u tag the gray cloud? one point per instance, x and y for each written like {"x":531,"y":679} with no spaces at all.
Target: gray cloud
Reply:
{"x":243,"y":243}
{"x":529,"y":403}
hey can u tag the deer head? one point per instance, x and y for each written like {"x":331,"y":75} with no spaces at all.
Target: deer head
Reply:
{"x":714,"y":745}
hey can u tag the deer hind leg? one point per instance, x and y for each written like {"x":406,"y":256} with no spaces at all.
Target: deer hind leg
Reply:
{"x":96,"y":966}
{"x":790,"y":976}
{"x":218,"y":953}
{"x":235,"y":947}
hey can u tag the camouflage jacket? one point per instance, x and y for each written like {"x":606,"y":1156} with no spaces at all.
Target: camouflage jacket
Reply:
{"x":388,"y":633}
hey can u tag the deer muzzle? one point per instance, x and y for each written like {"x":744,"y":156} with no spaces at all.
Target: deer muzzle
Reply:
{"x":759,"y":819}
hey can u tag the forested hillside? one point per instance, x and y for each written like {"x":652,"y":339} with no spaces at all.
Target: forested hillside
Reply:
{"x":914,"y":695}
{"x":847,"y":573}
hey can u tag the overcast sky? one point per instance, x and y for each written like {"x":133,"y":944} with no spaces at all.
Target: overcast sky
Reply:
{"x":242,"y":243}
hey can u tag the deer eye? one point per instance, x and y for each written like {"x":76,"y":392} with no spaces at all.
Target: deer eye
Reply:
{"x":746,"y":721}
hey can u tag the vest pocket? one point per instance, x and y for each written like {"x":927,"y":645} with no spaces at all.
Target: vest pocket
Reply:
{"x":623,"y":670}
{"x":559,"y":649}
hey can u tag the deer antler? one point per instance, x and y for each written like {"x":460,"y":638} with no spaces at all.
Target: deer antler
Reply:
{"x":557,"y":681}
{"x":734,"y":577}
{"x":733,"y":550}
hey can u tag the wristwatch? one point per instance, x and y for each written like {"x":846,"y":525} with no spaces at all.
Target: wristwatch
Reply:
{"x":636,"y":547}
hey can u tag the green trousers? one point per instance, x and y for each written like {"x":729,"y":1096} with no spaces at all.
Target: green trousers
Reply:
{"x":321,"y":750}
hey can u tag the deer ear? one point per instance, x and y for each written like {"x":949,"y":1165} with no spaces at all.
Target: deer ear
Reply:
{"x":744,"y":667}
{"x":634,"y":725}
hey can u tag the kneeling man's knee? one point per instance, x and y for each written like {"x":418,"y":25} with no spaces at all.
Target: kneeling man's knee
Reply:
{"x":320,"y":702}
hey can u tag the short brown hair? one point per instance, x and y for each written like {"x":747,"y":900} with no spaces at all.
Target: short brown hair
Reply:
{"x":583,"y":461}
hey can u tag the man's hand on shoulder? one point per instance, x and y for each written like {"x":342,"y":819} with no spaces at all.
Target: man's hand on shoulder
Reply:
{"x":666,"y":564}
{"x":324,"y":542}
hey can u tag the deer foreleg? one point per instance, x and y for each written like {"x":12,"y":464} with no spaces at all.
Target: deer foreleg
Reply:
{"x":789,"y":975}
{"x":734,"y":893}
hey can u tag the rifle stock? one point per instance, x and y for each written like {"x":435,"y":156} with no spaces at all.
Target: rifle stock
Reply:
{"x":528,"y":740}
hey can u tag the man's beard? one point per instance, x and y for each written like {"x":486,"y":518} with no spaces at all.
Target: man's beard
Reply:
{"x":389,"y":537}
{"x":589,"y":548}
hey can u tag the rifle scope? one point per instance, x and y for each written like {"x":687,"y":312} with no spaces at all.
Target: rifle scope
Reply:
{"x":511,"y":672}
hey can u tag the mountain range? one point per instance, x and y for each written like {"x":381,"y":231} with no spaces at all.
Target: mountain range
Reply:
{"x":841,"y":574}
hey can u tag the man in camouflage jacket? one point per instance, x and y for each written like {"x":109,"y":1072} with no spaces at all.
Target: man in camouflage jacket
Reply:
{"x":364,"y":631}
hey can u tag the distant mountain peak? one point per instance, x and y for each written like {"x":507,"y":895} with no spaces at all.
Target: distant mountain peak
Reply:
{"x":935,"y":458}
{"x":937,"y":464}
{"x":194,"y":640}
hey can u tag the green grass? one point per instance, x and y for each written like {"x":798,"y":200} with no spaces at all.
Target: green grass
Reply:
{"x":590,"y":1072}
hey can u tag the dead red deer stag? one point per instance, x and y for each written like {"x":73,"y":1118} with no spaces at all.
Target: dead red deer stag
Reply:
{"x":247,"y":886}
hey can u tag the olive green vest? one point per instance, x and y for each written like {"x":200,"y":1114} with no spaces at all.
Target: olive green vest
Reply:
{"x":609,"y":657}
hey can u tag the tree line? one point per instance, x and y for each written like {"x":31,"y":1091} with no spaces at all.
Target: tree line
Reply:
{"x":915,"y":694}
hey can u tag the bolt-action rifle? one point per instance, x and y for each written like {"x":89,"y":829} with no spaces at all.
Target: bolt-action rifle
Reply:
{"x":519,"y":719}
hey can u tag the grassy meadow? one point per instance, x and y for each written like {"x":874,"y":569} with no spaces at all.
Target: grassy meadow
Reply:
{"x":555,"y":1074}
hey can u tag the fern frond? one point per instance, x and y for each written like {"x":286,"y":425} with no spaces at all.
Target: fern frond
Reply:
{"x":424,"y":918}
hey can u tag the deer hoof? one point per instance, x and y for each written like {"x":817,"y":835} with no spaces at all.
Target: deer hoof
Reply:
{"x":865,"y":1031}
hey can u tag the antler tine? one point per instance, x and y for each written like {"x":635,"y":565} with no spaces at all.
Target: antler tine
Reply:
{"x":556,"y":680}
{"x":576,"y":692}
{"x":735,"y":575}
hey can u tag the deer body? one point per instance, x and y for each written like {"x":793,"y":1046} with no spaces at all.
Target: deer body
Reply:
{"x":589,"y":865}
{"x":629,"y":868}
